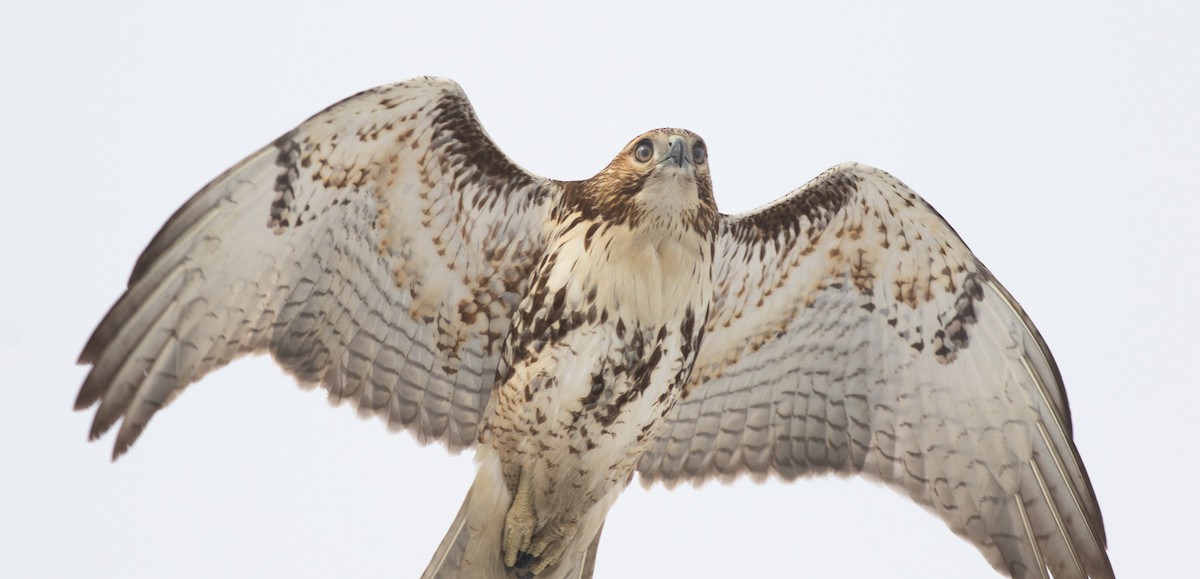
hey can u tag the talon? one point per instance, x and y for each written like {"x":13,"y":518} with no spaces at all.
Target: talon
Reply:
{"x":524,"y":560}
{"x":552,"y":542}
{"x":519,"y":522}
{"x":526,"y":551}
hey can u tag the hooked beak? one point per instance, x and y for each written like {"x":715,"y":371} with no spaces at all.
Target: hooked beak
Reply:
{"x":678,"y":153}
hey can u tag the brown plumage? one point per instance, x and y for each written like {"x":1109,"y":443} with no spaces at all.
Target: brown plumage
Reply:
{"x":572,"y":332}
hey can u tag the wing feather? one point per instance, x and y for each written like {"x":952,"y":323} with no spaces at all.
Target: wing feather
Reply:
{"x":377,"y":250}
{"x":853,"y":332}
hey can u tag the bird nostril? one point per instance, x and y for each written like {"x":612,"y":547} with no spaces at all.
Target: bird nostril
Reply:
{"x":677,"y":152}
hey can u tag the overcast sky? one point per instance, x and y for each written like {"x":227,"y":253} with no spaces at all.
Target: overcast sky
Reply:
{"x":1061,"y":143}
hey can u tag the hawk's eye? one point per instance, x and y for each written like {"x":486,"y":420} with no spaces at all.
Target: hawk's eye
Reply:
{"x":643,"y":151}
{"x":699,"y":153}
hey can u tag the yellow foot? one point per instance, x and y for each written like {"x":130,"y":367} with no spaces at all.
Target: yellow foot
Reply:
{"x":521,"y":521}
{"x":528,"y":549}
{"x":551,"y":542}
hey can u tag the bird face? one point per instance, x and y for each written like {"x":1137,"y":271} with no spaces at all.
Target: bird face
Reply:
{"x":670,"y":150}
{"x":661,"y":175}
{"x":668,"y":159}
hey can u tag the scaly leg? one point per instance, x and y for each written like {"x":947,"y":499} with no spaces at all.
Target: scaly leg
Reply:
{"x":521,"y":521}
{"x":551,"y":542}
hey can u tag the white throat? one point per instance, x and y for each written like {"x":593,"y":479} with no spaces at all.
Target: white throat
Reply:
{"x":645,"y":275}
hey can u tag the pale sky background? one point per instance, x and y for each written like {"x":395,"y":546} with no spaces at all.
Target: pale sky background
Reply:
{"x":1061,"y":141}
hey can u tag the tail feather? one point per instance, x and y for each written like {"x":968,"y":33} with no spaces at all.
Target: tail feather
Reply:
{"x":472,"y":546}
{"x":589,"y":560}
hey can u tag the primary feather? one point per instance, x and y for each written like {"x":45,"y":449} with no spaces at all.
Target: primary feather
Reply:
{"x":573,"y":332}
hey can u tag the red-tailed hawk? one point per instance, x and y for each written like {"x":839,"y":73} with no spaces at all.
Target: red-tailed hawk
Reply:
{"x":573,"y":333}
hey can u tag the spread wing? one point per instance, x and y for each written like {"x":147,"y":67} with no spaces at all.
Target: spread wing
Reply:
{"x":853,"y":332}
{"x":377,"y":250}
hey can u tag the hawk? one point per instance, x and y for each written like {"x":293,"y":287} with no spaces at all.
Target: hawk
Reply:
{"x":572,"y":333}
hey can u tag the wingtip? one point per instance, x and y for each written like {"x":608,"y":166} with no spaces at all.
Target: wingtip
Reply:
{"x":94,"y":347}
{"x":89,"y":393}
{"x":104,"y":420}
{"x":119,"y":448}
{"x":97,"y":431}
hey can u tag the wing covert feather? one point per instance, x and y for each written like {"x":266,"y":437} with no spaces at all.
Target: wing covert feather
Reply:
{"x":377,"y":250}
{"x":853,"y":332}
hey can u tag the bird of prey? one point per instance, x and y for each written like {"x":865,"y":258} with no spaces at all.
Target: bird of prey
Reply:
{"x":575,"y":332}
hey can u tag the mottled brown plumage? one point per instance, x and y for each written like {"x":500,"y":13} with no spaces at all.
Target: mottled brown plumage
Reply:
{"x":572,"y":332}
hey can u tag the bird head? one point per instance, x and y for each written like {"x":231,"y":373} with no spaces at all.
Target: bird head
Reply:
{"x":660,"y":178}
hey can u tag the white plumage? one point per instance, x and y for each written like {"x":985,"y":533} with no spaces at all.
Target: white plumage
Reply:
{"x":572,"y":331}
